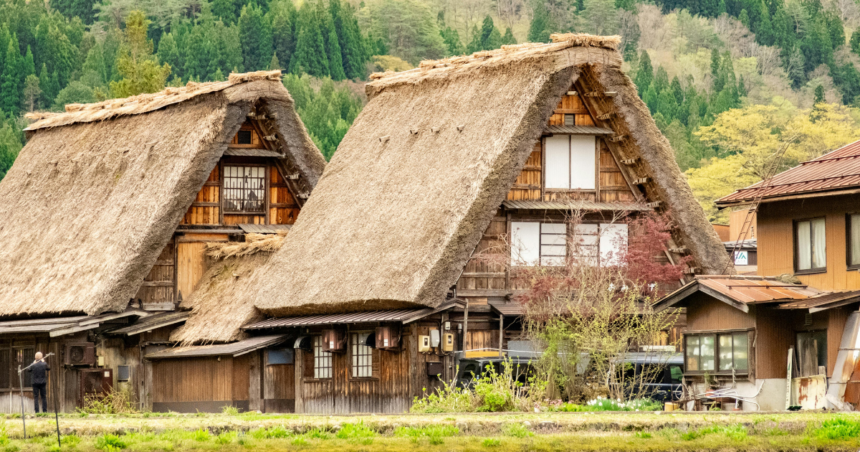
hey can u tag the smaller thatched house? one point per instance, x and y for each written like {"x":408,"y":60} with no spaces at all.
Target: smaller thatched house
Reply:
{"x":378,"y":286}
{"x":108,"y":214}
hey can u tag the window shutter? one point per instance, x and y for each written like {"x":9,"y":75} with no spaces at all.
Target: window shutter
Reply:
{"x":558,"y":161}
{"x":5,"y":369}
{"x":376,"y":364}
{"x":308,"y":364}
{"x":583,"y":151}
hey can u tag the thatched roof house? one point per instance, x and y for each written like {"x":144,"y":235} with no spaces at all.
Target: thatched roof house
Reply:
{"x":99,"y":190}
{"x":416,"y":180}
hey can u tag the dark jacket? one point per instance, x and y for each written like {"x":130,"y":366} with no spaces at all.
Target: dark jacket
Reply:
{"x":39,"y":373}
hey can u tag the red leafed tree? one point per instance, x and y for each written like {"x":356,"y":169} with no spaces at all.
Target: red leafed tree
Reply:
{"x":595,"y":305}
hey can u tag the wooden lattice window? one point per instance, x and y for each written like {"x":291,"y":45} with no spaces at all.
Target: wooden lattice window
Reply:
{"x":362,"y":356}
{"x":322,"y":359}
{"x":244,"y":189}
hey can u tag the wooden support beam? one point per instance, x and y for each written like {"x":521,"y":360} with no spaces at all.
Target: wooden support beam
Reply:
{"x":641,"y":180}
{"x":654,"y":204}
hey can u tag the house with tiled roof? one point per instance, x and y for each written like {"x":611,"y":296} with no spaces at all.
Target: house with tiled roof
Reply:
{"x":778,"y":337}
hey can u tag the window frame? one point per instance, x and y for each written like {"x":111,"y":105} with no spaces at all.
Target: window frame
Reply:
{"x":367,"y":365}
{"x":321,"y":356}
{"x":540,"y":244}
{"x":716,"y":335}
{"x":266,"y":189}
{"x":545,"y":163}
{"x":848,"y":254}
{"x":813,"y":270}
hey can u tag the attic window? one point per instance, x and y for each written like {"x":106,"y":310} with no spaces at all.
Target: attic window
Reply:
{"x":570,"y":162}
{"x":243,"y":137}
{"x":244,"y":189}
{"x":569,"y":120}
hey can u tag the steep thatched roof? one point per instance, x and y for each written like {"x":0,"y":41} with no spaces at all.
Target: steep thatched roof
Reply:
{"x":218,"y":310}
{"x":418,"y":177}
{"x":98,"y":191}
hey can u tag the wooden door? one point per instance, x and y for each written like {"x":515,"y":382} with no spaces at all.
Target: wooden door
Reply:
{"x":191,"y":264}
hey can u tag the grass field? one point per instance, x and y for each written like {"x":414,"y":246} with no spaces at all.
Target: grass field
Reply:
{"x":443,"y":432}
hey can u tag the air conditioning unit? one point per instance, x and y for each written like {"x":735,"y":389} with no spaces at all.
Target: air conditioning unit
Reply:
{"x":387,"y":337}
{"x":80,"y":354}
{"x":95,"y":383}
{"x":334,"y":341}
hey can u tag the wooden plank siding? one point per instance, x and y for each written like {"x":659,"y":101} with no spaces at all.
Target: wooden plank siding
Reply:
{"x":200,"y":384}
{"x":283,"y":207}
{"x":775,"y":238}
{"x":486,"y":269}
{"x":206,"y":206}
{"x":159,"y":286}
{"x":611,"y":183}
{"x":707,"y":314}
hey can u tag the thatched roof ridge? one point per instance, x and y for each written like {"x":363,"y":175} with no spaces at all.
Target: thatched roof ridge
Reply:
{"x":419,"y":176}
{"x":92,"y":200}
{"x":142,"y":103}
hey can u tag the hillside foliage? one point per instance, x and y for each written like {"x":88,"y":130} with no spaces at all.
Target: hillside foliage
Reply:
{"x":726,"y":80}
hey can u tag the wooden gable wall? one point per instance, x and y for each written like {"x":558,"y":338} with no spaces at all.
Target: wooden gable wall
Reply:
{"x":611,"y":184}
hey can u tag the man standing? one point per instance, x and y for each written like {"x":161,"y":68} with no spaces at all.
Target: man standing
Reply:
{"x":39,"y":377}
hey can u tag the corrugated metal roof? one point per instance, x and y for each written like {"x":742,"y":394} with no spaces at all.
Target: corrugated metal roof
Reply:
{"x":265,"y":228}
{"x":253,"y":153}
{"x":749,"y":244}
{"x":578,"y":130}
{"x":837,"y":170}
{"x":508,"y":309}
{"x":152,"y":322}
{"x":745,"y":290}
{"x":399,"y":315}
{"x":755,"y":289}
{"x":59,"y":326}
{"x":824,"y":301}
{"x":576,"y":205}
{"x":235,"y":349}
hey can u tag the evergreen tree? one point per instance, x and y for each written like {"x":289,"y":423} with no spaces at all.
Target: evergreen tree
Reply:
{"x":274,"y":65}
{"x":255,"y":37}
{"x":10,"y":83}
{"x":352,"y":45}
{"x":332,"y":44}
{"x":32,"y":94}
{"x":168,"y":53}
{"x":744,"y":18}
{"x":819,"y":95}
{"x":490,"y":36}
{"x":136,"y":64}
{"x":282,"y":16}
{"x":855,"y":41}
{"x":677,"y":91}
{"x":453,"y":45}
{"x":310,"y":56}
{"x":227,"y":10}
{"x":508,"y":38}
{"x":644,"y":74}
{"x":475,"y":43}
{"x":540,"y":26}
{"x":45,"y":86}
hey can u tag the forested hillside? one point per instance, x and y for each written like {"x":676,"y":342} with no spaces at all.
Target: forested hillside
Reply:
{"x":728,"y":81}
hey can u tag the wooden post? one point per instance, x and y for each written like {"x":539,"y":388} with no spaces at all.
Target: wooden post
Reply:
{"x":466,"y":328}
{"x":501,"y":333}
{"x":788,"y":379}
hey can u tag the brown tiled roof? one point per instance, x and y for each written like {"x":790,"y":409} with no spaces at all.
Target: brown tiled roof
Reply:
{"x":837,"y":170}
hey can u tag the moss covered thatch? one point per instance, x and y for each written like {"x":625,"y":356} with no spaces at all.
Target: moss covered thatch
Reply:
{"x":97,"y":192}
{"x":417,"y":179}
{"x":218,"y":310}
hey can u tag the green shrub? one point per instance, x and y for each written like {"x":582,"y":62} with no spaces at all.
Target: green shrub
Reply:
{"x":71,"y":441}
{"x":838,"y":429}
{"x":736,"y":432}
{"x":201,"y":435}
{"x":516,"y":430}
{"x":230,"y":410}
{"x":491,"y":442}
{"x":299,"y":441}
{"x":317,"y":434}
{"x":110,"y":443}
{"x":225,"y":438}
{"x":359,"y":431}
{"x":642,"y":435}
{"x":434,"y":433}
